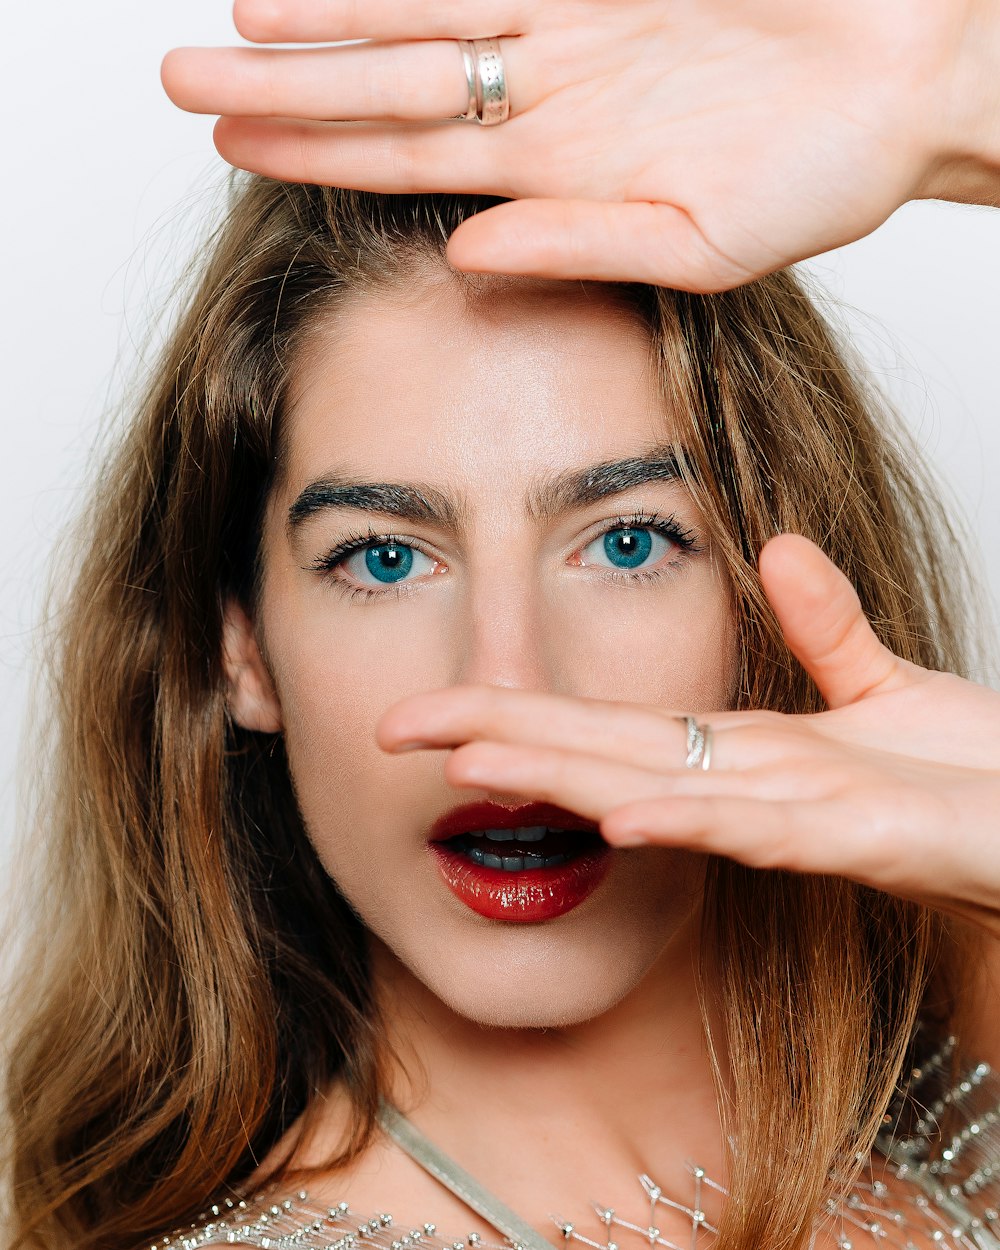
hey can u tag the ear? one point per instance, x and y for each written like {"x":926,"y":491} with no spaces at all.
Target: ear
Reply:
{"x":253,"y":700}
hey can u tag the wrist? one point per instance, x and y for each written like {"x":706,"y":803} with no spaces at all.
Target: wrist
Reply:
{"x":966,"y":164}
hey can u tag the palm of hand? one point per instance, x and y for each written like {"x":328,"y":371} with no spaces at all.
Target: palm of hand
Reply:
{"x":730,"y":138}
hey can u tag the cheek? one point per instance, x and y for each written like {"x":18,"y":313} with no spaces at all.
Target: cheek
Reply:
{"x":338,"y":668}
{"x":672,"y":644}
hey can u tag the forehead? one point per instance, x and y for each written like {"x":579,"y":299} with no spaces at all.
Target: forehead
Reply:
{"x":507,"y":377}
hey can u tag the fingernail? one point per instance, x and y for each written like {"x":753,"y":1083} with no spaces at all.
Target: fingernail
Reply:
{"x":625,"y":838}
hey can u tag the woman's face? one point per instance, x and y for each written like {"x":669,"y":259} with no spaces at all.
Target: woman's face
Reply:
{"x":481,"y":402}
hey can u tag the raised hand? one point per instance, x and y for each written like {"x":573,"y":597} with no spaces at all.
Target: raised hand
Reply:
{"x":897,"y":785}
{"x":690,"y":144}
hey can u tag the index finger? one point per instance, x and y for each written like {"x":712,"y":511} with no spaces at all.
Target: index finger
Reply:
{"x":312,"y":21}
{"x":644,"y":735}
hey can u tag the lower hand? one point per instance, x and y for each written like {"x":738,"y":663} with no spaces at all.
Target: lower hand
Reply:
{"x":896,"y":786}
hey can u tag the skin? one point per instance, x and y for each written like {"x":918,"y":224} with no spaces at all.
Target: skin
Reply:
{"x":596,"y":1010}
{"x":778,"y":131}
{"x":500,"y":604}
{"x":504,"y":668}
{"x":693,"y":145}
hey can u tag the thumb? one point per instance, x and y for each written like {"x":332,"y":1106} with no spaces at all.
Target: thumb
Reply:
{"x":610,"y":242}
{"x":821,"y":618}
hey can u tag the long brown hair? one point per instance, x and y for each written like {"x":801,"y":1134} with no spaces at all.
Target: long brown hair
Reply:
{"x":192,"y":975}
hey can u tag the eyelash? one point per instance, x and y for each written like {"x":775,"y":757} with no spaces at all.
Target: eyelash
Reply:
{"x":668,"y":527}
{"x":356,"y":541}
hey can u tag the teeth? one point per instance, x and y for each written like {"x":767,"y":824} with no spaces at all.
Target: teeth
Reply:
{"x":530,"y":833}
{"x":509,"y":849}
{"x":513,"y":863}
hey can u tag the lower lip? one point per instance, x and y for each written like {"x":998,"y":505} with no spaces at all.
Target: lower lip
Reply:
{"x":528,"y":896}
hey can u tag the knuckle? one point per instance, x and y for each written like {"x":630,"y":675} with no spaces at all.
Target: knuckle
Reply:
{"x":306,"y":159}
{"x":268,"y":87}
{"x":400,"y":159}
{"x":779,"y":850}
{"x":715,"y":270}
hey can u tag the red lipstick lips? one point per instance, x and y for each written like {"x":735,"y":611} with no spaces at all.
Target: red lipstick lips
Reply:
{"x":540,"y":862}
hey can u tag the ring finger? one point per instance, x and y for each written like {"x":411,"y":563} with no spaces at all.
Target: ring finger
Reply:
{"x":392,"y":81}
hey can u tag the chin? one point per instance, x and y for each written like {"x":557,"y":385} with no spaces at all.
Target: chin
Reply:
{"x":539,"y":980}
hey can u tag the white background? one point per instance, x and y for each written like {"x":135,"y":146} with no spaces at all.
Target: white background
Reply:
{"x":105,"y":183}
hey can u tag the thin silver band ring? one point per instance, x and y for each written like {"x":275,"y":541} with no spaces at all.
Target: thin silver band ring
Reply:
{"x":469,"y":60}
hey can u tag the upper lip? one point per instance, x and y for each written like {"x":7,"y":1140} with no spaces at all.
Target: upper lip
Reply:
{"x":493,"y":816}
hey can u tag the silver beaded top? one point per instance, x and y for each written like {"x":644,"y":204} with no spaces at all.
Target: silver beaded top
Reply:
{"x":945,"y":1199}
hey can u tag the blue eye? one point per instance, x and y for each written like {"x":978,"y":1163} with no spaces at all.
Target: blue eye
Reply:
{"x":628,"y":547}
{"x":386,"y":562}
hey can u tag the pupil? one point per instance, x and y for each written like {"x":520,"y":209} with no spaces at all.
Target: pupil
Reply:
{"x":628,"y":548}
{"x":389,"y":563}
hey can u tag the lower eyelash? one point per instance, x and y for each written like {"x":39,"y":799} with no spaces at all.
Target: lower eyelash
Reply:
{"x":369,"y":592}
{"x":620,"y":576}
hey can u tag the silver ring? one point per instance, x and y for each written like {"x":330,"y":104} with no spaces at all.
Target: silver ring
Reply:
{"x":469,"y":60}
{"x":489,"y":103}
{"x":699,"y":743}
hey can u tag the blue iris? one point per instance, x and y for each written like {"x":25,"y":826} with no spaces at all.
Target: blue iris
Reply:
{"x":388,"y":562}
{"x":628,"y":548}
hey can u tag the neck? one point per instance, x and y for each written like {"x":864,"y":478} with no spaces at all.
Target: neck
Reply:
{"x":627,"y":1092}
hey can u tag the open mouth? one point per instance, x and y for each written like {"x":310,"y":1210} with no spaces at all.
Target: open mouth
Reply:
{"x":528,"y":864}
{"x":523,"y":848}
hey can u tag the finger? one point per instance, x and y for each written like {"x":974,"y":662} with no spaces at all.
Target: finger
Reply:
{"x":611,"y":242}
{"x":311,"y":21}
{"x":626,"y":732}
{"x":800,"y":836}
{"x":822,"y":621}
{"x":825,"y":838}
{"x":368,"y":156}
{"x":587,"y":784}
{"x":404,"y":81}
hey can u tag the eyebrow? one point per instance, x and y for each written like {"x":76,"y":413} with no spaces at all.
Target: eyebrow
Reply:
{"x":576,"y":488}
{"x":407,"y":501}
{"x":553,"y":497}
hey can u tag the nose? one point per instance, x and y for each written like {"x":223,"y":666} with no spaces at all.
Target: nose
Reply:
{"x":503,"y":636}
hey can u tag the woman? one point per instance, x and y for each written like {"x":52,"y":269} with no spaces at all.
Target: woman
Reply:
{"x":260,"y":930}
